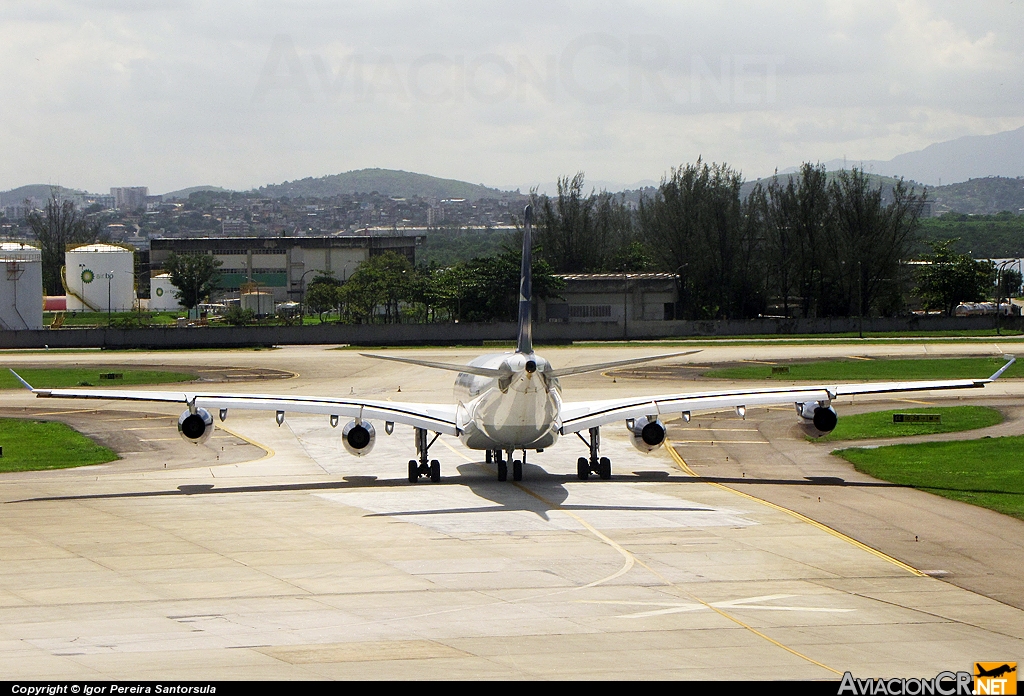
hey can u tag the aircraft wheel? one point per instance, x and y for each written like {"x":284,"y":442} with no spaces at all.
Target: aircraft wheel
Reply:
{"x":517,"y":470}
{"x":435,"y":471}
{"x":414,"y":471}
{"x":605,"y":467}
{"x":490,"y":456}
{"x":502,"y":471}
{"x":582,"y":469}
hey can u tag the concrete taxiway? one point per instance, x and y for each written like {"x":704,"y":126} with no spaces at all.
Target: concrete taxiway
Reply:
{"x":270,"y":554}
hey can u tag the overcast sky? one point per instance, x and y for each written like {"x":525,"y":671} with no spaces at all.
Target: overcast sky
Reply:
{"x":239,"y":94}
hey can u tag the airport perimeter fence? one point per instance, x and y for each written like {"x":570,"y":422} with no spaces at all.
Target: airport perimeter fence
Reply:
{"x":472,"y":334}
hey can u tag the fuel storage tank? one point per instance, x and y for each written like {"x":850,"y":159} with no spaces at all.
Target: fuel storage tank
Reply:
{"x":100,"y":278}
{"x":21,"y":287}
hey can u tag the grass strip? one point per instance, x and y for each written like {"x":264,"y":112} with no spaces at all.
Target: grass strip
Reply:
{"x":877,"y":424}
{"x":59,"y":377}
{"x":988,"y":472}
{"x":866,"y":370}
{"x":39,"y":445}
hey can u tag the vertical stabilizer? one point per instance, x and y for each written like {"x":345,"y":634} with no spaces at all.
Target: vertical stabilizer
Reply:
{"x":524,"y":342}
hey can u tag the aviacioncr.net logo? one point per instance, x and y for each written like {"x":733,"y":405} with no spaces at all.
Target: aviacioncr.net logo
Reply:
{"x":942,"y":684}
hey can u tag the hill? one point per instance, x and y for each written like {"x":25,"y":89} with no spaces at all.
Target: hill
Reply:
{"x":40,"y":192}
{"x":952,"y":161}
{"x":387,"y":182}
{"x":886,"y":182}
{"x":183,"y":194}
{"x":980,"y":196}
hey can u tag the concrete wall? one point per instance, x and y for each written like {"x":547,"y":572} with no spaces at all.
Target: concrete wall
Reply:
{"x":467,"y":334}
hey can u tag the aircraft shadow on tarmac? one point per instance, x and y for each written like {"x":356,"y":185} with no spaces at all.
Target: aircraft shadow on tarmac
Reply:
{"x":482,"y":483}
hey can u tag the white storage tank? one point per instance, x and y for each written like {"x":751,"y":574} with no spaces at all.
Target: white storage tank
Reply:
{"x":161,"y":294}
{"x":21,"y":287}
{"x":100,"y":278}
{"x":260,"y":302}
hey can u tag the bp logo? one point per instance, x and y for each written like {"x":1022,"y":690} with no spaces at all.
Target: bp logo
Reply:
{"x":159,"y":292}
{"x":87,"y":276}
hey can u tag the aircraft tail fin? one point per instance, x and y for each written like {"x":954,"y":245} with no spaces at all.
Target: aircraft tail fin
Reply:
{"x":524,"y":340}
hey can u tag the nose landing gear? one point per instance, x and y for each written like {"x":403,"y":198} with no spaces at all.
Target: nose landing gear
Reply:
{"x":502,"y":464}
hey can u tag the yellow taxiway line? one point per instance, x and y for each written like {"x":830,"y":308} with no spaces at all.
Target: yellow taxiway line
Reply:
{"x":681,"y":463}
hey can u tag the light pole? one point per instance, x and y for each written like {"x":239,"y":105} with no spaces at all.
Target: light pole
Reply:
{"x":109,"y":275}
{"x":999,"y":291}
{"x":302,"y":289}
{"x":625,"y":307}
{"x":81,"y":284}
{"x":680,"y":286}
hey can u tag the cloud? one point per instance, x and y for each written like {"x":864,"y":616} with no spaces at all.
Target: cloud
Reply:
{"x":239,"y":94}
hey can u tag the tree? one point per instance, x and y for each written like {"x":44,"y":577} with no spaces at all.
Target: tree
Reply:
{"x":384,"y":280}
{"x":491,"y":287}
{"x":871,"y":239}
{"x":952,"y":278}
{"x":586,"y":234}
{"x":321,"y":298}
{"x":1009,"y":283}
{"x":194,"y":275}
{"x":697,"y":222}
{"x":58,"y":226}
{"x":796,"y":217}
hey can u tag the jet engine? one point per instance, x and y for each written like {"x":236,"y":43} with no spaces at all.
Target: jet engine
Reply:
{"x":824,"y":418}
{"x":196,"y":427}
{"x":358,"y":437}
{"x":647,"y":435}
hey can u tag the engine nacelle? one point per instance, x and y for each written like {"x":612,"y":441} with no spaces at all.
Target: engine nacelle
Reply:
{"x":358,"y":437}
{"x":196,"y":427}
{"x":824,"y":418}
{"x":647,"y":435}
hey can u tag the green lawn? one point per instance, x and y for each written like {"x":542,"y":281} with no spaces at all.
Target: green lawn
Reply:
{"x":55,"y":378}
{"x":35,"y":445}
{"x":862,"y":370}
{"x":988,"y":472}
{"x":879,"y":423}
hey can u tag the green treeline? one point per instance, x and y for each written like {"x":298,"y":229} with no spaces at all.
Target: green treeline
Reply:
{"x":815,"y":244}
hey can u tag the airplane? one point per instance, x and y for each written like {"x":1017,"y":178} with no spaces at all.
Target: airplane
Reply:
{"x":996,"y":672}
{"x":511,"y":402}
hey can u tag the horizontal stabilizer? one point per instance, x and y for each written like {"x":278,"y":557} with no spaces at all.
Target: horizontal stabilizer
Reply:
{"x":617,"y":363}
{"x":469,"y":369}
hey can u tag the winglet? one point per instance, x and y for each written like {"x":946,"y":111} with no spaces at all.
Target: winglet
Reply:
{"x":998,"y":373}
{"x":23,"y":382}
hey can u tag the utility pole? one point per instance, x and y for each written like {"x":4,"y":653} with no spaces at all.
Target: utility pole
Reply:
{"x":110,"y":277}
{"x":860,"y":299}
{"x":625,"y":306}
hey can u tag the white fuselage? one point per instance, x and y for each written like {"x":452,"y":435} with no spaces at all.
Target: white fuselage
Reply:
{"x":521,"y":409}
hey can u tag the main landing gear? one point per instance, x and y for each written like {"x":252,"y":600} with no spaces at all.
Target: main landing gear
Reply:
{"x":517,"y":465}
{"x":422,"y":467}
{"x":601,"y":466}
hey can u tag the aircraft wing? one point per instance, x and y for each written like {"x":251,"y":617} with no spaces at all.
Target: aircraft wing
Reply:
{"x":440,"y":418}
{"x":581,"y":415}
